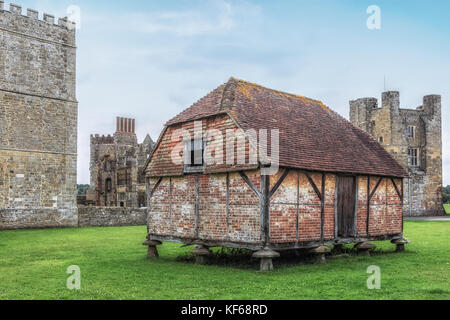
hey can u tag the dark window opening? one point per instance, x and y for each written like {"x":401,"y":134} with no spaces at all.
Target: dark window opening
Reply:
{"x":413,"y":157}
{"x":141,"y":199}
{"x":108,"y":185}
{"x":122,"y":204}
{"x":411,"y":132}
{"x":194,"y":155}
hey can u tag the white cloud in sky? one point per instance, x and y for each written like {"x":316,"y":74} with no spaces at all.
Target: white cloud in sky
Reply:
{"x":185,"y":23}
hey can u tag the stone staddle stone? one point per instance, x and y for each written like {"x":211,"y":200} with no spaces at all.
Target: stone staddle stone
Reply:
{"x":321,"y":249}
{"x":400,"y":243}
{"x":201,"y":253}
{"x":152,"y":243}
{"x":266,"y":257}
{"x":364,"y":247}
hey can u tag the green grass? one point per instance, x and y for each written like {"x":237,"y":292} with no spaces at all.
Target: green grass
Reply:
{"x":447,"y":208}
{"x":113,"y":265}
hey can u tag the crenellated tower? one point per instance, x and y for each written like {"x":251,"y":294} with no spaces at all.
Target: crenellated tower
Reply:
{"x":414,"y":138}
{"x":38,"y":120}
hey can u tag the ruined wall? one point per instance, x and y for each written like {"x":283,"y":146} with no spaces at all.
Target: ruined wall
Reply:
{"x":389,"y":125}
{"x":38,"y":120}
{"x":110,"y":217}
{"x":116,"y":167}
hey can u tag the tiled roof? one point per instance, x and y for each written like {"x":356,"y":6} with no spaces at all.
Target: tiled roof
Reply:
{"x":312,"y":136}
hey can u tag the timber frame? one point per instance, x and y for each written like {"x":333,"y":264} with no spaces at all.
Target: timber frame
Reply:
{"x":264,"y":194}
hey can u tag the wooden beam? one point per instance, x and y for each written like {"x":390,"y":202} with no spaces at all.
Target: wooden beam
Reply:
{"x":155,"y":187}
{"x":369,"y":198}
{"x":313,"y":184}
{"x":279,"y":182}
{"x":228,"y":206}
{"x":170,"y":206}
{"x":376,"y":188}
{"x":298,"y":207}
{"x":197,"y":209}
{"x":403,"y":202}
{"x":250,"y":184}
{"x":264,"y":206}
{"x":322,"y":209}
{"x":368,"y":206}
{"x":396,"y":189}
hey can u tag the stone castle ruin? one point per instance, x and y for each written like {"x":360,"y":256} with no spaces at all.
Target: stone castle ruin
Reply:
{"x":414,"y":138}
{"x":38,"y":120}
{"x":116,"y":168}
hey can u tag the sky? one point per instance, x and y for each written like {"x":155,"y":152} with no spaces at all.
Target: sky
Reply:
{"x":149,"y":60}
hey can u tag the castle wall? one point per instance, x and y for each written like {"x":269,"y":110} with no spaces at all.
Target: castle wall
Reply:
{"x":423,"y":191}
{"x":38,"y":121}
{"x":111,"y":217}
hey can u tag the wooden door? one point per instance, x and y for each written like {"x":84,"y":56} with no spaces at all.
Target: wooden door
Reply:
{"x":346,"y":204}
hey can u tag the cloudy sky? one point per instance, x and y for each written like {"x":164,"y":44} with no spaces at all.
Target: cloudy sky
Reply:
{"x":150,"y":60}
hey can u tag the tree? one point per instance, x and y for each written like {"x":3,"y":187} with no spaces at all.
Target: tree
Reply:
{"x":446,"y":194}
{"x":82,"y":188}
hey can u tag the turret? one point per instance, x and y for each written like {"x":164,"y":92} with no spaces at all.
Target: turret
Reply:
{"x":360,"y":111}
{"x":432,"y":105}
{"x":391,"y":100}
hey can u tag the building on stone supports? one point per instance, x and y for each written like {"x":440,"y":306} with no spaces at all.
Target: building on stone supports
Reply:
{"x":116,"y":167}
{"x":334,"y":184}
{"x":38,"y":120}
{"x":414,"y":138}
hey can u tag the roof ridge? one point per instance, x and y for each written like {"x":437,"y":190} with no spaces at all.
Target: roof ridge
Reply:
{"x":293,"y":95}
{"x":228,"y":94}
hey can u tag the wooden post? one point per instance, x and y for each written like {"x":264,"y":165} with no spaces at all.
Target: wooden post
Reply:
{"x":322,"y":209}
{"x":264,"y":203}
{"x":197,"y":209}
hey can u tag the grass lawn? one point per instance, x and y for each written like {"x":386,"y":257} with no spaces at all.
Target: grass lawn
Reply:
{"x":447,"y":208}
{"x":113,"y":265}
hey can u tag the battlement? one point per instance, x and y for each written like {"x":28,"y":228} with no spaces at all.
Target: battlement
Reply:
{"x":33,"y":14}
{"x":97,"y":139}
{"x":47,"y":29}
{"x":391,"y":100}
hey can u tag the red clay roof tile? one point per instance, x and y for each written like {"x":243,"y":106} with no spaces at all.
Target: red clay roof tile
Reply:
{"x":312,"y":136}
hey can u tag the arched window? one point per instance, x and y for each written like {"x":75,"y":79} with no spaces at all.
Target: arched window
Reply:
{"x":108,"y":185}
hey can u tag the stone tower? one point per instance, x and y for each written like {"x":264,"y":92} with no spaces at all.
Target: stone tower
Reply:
{"x":116,"y":166}
{"x":38,"y":120}
{"x":414,"y":138}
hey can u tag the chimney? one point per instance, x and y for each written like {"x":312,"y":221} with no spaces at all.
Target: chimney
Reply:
{"x":125,"y":125}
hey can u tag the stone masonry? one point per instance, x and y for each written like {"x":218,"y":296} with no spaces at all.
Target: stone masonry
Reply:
{"x":414,"y":138}
{"x":38,"y":120}
{"x":116,"y":167}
